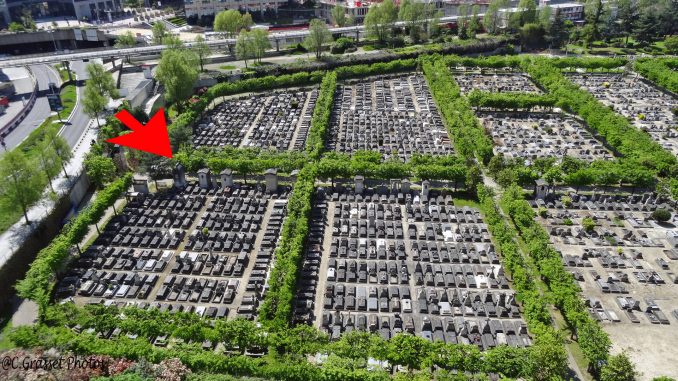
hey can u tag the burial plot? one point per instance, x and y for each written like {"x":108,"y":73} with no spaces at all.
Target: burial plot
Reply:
{"x":536,"y":135}
{"x":386,"y":262}
{"x":648,"y":108}
{"x":394,"y":115}
{"x":496,"y":83}
{"x":280,"y":121}
{"x":207,"y":251}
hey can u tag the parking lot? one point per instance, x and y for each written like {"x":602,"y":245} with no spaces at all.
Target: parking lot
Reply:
{"x":389,"y":261}
{"x":535,"y":135}
{"x":626,"y":265}
{"x":206,"y":251}
{"x":394,"y":115}
{"x":648,"y":108}
{"x":279,"y":120}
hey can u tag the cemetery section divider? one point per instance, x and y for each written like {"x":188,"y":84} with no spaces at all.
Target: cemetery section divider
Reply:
{"x":593,"y":341}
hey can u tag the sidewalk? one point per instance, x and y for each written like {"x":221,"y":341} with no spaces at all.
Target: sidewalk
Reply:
{"x":14,"y":237}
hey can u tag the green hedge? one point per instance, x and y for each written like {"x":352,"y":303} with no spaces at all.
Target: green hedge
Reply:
{"x":39,"y":280}
{"x":315,"y":143}
{"x":513,"y":101}
{"x":594,"y":342}
{"x":466,"y":132}
{"x":660,"y":71}
{"x":276,"y":310}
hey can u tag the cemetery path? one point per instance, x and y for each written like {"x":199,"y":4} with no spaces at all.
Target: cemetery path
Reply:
{"x":295,"y":135}
{"x":574,"y":372}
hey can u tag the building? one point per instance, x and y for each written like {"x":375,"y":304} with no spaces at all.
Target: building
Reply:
{"x":91,"y":10}
{"x":355,"y":9}
{"x":451,"y":7}
{"x":209,"y":7}
{"x":568,"y":11}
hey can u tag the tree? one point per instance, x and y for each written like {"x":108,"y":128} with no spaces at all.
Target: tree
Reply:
{"x":201,"y":50}
{"x":99,"y":88}
{"x":100,"y":169}
{"x":61,"y":147}
{"x":178,"y":71}
{"x":671,"y":44}
{"x":244,"y":46}
{"x":527,"y":10}
{"x":647,"y":27}
{"x":492,"y":18}
{"x":172,"y":41}
{"x":413,"y":13}
{"x":593,"y":11}
{"x":93,"y":102}
{"x":474,"y":24}
{"x":558,"y":33}
{"x":159,"y":32}
{"x":260,"y":43}
{"x":48,"y":160}
{"x":27,"y":19}
{"x":318,"y":35}
{"x":619,"y":368}
{"x":462,"y":22}
{"x":21,"y":185}
{"x":545,"y":15}
{"x":627,"y":14}
{"x":379,"y":20}
{"x":231,"y":22}
{"x":16,"y":27}
{"x":126,"y":40}
{"x":532,"y":35}
{"x":339,"y":16}
{"x":408,"y":350}
{"x":548,"y":359}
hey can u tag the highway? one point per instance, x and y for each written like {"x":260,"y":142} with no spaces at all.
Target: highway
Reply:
{"x":79,"y":122}
{"x":40,"y":111}
{"x":155,"y":49}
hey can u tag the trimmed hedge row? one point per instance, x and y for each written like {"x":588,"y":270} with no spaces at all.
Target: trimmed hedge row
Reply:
{"x":535,"y":308}
{"x":276,"y":310}
{"x":617,"y":130}
{"x":594,"y":342}
{"x":467,"y":134}
{"x":315,"y":142}
{"x":660,"y":71}
{"x":39,"y":281}
{"x":513,"y":101}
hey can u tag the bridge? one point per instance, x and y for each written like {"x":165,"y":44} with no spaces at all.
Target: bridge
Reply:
{"x":216,"y":44}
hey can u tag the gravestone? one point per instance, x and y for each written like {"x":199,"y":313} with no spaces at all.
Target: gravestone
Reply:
{"x":226,"y":178}
{"x":405,"y":186}
{"x":271,"y":178}
{"x":359,"y":184}
{"x":205,"y":178}
{"x":541,"y":189}
{"x":179,"y":176}
{"x":425,"y":188}
{"x":140,"y":184}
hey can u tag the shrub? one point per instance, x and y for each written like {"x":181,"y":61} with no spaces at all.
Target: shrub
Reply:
{"x":588,"y":224}
{"x":568,"y":222}
{"x":661,"y":215}
{"x":566,"y":200}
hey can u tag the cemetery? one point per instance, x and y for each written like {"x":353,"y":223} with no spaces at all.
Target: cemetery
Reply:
{"x":535,"y":135}
{"x":498,"y":82}
{"x":648,"y":108}
{"x":280,"y":120}
{"x":624,"y":260}
{"x":203,"y":247}
{"x":394,"y":115}
{"x":395,"y":259}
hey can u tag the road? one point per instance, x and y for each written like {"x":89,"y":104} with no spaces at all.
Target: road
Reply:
{"x":79,"y":122}
{"x":44,"y":74}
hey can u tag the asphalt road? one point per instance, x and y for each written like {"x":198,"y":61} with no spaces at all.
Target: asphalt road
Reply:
{"x":78,"y":124}
{"x":40,"y":111}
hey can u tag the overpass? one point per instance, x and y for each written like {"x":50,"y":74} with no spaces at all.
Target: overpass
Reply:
{"x":216,"y":44}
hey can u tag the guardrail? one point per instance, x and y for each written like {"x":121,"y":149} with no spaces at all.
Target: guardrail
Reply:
{"x":24,"y":112}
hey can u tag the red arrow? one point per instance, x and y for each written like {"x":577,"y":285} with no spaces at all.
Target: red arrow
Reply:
{"x":152,"y":138}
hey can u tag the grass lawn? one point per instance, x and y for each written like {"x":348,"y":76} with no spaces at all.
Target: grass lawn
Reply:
{"x":10,"y":213}
{"x":5,"y":342}
{"x":227,"y":67}
{"x":618,"y":46}
{"x":63,"y":73}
